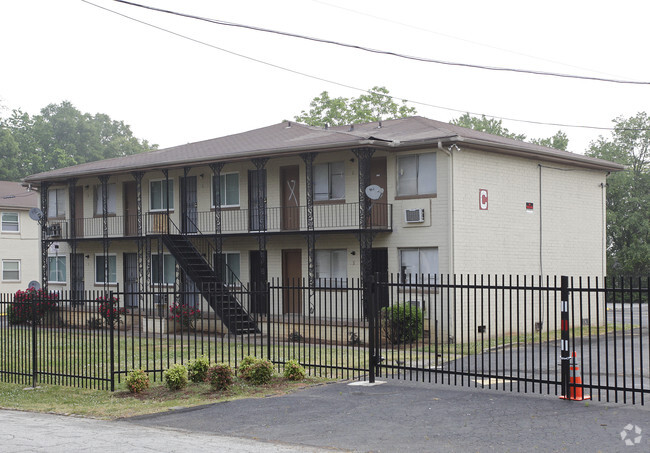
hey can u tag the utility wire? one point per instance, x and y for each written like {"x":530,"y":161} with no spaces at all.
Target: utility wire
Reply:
{"x":293,"y":71}
{"x":387,"y":52}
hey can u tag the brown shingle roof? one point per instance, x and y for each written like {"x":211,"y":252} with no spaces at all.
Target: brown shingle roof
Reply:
{"x":13,"y":195}
{"x":288,"y":138}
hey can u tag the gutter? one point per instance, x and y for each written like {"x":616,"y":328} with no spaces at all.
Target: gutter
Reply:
{"x":450,"y":205}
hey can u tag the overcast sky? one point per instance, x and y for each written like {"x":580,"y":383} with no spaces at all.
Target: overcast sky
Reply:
{"x":171,"y":90}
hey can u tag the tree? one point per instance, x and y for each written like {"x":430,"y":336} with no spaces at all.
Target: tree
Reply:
{"x":495,"y":127}
{"x":377,"y":105}
{"x":61,"y":136}
{"x":628,"y":196}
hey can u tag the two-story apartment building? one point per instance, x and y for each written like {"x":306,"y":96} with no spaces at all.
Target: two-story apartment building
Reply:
{"x":19,"y":238}
{"x":411,"y":197}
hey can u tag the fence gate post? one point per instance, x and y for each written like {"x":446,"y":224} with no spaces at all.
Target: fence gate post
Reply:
{"x":36,"y":301}
{"x":369,"y":293}
{"x":112,"y":346}
{"x":564,"y":318}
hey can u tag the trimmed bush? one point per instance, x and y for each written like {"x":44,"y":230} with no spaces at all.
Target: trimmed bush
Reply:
{"x":21,"y":309}
{"x":137,"y":381}
{"x":220,"y":376}
{"x":109,"y":309}
{"x":293,"y":371}
{"x":197,"y":369}
{"x":402,"y":323}
{"x":256,"y":371}
{"x":176,"y":377}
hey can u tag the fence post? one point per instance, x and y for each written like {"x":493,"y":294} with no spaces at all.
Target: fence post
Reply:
{"x":564,"y":318}
{"x":370,"y":304}
{"x":112,"y":345}
{"x":34,"y":307}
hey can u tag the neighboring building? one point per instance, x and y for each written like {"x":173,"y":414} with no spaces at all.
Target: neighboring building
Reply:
{"x":289,"y":201}
{"x":19,"y":238}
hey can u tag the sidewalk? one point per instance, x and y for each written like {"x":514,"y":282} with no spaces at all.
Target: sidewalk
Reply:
{"x":394,"y":417}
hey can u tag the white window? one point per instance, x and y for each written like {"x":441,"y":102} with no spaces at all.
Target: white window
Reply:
{"x":159,"y":197}
{"x":232,"y":260}
{"x":10,"y":222}
{"x":329,"y":181}
{"x":416,"y":174}
{"x":11,"y":270}
{"x":111,"y":199}
{"x":99,"y":269}
{"x":331,"y":267}
{"x":418,"y":264}
{"x":56,"y":203}
{"x":56,"y":269}
{"x":168,"y":269}
{"x":229,"y":190}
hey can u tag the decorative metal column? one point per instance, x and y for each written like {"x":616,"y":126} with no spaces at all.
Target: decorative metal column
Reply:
{"x":218,"y":239}
{"x":137,"y":175}
{"x":45,"y":186}
{"x":260,"y":163}
{"x":308,"y":158}
{"x":166,"y":197}
{"x":365,"y":234}
{"x":72,"y":197}
{"x":105,"y":242}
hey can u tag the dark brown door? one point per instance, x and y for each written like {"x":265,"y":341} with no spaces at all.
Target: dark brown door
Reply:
{"x":379,"y":208}
{"x":259,"y":296}
{"x":79,"y":211}
{"x":380,"y":272}
{"x":290,"y":196}
{"x":130,"y":209}
{"x":292,"y":281}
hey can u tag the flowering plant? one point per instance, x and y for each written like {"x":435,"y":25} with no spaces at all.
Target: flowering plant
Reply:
{"x":109,"y":310}
{"x":184,"y":314}
{"x":31,"y":305}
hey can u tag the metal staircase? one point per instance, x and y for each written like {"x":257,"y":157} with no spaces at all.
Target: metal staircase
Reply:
{"x":222,"y":300}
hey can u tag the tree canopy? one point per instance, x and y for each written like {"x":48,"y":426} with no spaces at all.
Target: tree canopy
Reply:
{"x":377,"y":105}
{"x":628,"y":196}
{"x":61,"y":136}
{"x":494,"y":126}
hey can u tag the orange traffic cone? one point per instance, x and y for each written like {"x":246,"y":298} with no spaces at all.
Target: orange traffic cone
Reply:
{"x":575,"y":383}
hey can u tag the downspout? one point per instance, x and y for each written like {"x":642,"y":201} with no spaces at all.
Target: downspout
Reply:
{"x":450,"y":205}
{"x":604,"y":227}
{"x":541,"y":230}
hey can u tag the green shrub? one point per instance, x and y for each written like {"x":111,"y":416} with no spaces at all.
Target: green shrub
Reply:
{"x":137,"y":381}
{"x":176,"y":377}
{"x":220,"y":376}
{"x":256,"y":371}
{"x":402,"y":323}
{"x":293,"y":371}
{"x":197,"y":369}
{"x":25,"y":303}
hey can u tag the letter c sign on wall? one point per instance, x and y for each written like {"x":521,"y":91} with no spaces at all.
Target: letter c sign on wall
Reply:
{"x":483,"y":199}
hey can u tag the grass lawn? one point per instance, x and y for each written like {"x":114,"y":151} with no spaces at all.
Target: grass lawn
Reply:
{"x":110,"y":405}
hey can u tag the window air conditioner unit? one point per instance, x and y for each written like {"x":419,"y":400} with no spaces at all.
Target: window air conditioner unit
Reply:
{"x":414,"y":215}
{"x":54,"y":231}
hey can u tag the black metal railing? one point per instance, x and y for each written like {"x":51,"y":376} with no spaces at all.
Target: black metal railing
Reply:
{"x":499,"y":332}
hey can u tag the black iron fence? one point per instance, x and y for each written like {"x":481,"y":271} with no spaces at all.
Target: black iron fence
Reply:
{"x":510,"y":333}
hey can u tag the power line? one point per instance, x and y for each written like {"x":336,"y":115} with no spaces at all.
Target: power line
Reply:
{"x":343,"y":85}
{"x":386,"y":52}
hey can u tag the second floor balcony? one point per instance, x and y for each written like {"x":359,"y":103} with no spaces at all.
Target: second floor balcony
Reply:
{"x":338,"y":217}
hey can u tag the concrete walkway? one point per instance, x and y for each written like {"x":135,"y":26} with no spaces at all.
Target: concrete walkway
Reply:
{"x":394,"y":417}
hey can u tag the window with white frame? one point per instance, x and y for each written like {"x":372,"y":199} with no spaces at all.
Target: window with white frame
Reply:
{"x":56,"y":269}
{"x":229,"y":189}
{"x":417,"y":264}
{"x":160,"y":194}
{"x":329,"y":181}
{"x":56,"y":203}
{"x":111,"y":199}
{"x":331,"y":267}
{"x":100,"y":269}
{"x":416,"y":174}
{"x":11,"y":270}
{"x":168,"y":269}
{"x":10,"y":222}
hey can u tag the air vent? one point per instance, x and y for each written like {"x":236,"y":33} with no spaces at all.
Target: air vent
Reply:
{"x":54,"y":231}
{"x":414,"y":215}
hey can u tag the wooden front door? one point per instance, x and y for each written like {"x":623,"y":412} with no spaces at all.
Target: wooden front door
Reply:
{"x":130,"y":208}
{"x":290,"y":197}
{"x":379,"y":208}
{"x":131,"y":287}
{"x":292,"y":281}
{"x":189,"y":208}
{"x":77,"y":278}
{"x":79,"y":211}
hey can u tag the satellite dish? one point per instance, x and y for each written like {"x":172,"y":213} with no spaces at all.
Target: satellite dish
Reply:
{"x":374,"y":192}
{"x":35,"y":214}
{"x":34,"y":284}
